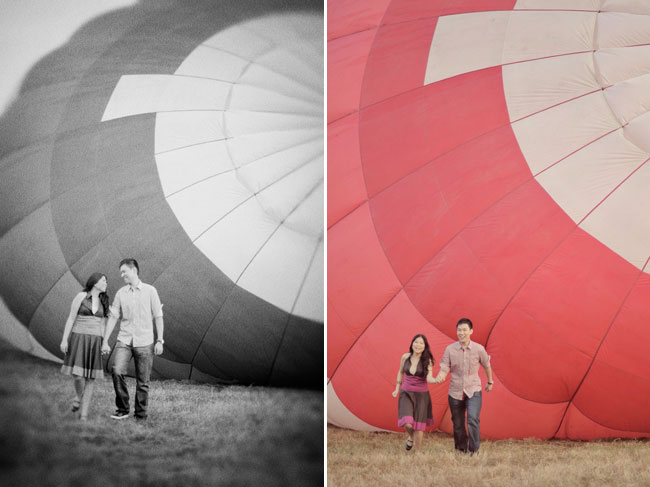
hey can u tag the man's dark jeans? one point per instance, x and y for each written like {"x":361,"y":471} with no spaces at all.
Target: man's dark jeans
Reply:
{"x":471,"y":405}
{"x":143,"y":359}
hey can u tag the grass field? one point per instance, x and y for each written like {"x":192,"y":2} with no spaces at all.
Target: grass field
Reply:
{"x":379,"y":459}
{"x":196,"y":434}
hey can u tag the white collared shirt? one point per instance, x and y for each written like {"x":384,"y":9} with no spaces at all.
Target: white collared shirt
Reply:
{"x":136,"y":306}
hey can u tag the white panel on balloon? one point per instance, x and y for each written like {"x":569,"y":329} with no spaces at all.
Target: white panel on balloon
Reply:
{"x":263,"y":172}
{"x":303,"y":218}
{"x":625,"y":232}
{"x":231,"y":244}
{"x":552,"y":134}
{"x":209,"y":62}
{"x":202,"y":205}
{"x":285,"y":195}
{"x":629,"y":99}
{"x":464,"y":43}
{"x":622,"y":29}
{"x":532,"y":35}
{"x":310,"y":300}
{"x":582,"y":180}
{"x":558,"y":5}
{"x":181,"y":129}
{"x":536,"y":85}
{"x":183,"y":167}
{"x":243,"y":122}
{"x":262,"y":77}
{"x":279,"y":269}
{"x":150,"y":93}
{"x":629,"y":6}
{"x":620,"y":63}
{"x":246,"y":97}
{"x":248,"y":148}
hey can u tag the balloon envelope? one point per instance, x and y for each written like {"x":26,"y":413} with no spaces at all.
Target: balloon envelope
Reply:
{"x":487,"y":159}
{"x":188,"y":136}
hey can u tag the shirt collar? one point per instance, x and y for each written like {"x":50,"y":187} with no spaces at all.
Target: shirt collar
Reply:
{"x":137,"y":286}
{"x":460,"y":347}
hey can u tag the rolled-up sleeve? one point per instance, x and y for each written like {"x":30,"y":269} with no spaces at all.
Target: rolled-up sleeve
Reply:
{"x":156,"y":306}
{"x":445,"y":363}
{"x":484,"y":358}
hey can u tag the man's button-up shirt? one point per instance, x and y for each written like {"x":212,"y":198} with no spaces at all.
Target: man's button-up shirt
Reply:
{"x":136,"y":306}
{"x":462,"y":364}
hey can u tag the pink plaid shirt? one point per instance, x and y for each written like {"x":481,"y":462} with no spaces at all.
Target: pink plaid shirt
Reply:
{"x":463,"y":367}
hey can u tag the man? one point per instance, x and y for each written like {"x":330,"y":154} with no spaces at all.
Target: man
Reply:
{"x":462,"y":359}
{"x":136,"y":304}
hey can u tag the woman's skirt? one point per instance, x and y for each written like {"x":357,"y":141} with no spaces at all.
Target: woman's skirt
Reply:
{"x":414,"y":408}
{"x":84,"y":357}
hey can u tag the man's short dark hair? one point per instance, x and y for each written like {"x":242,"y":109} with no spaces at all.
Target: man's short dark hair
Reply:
{"x":132,"y":263}
{"x":465,"y":321}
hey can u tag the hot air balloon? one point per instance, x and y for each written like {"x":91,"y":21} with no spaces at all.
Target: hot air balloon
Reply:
{"x":489,"y":159}
{"x":187,"y":135}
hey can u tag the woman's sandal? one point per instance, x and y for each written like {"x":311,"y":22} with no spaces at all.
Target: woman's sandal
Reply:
{"x":408,"y":447}
{"x":75,"y":405}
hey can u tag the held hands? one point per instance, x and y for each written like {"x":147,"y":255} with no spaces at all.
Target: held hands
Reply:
{"x":106,"y":348}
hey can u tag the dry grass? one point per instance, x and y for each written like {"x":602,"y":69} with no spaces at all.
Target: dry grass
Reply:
{"x":379,"y":459}
{"x":196,"y":434}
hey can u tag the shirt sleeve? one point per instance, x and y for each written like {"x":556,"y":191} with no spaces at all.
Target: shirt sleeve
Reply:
{"x":483,"y":357}
{"x":116,"y":307}
{"x":156,"y":306}
{"x":445,"y":364}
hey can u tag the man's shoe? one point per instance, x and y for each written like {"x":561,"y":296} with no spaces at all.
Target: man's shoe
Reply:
{"x":119,"y":415}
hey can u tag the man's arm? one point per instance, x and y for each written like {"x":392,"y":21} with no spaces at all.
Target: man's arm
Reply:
{"x":488,"y":373}
{"x":160,"y":327}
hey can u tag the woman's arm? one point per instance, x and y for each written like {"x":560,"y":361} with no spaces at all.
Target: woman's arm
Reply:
{"x":398,"y":382}
{"x":74,"y":309}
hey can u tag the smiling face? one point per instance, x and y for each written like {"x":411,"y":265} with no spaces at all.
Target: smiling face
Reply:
{"x":464,"y":332}
{"x":129,"y":274}
{"x":101,"y":284}
{"x":418,"y":345}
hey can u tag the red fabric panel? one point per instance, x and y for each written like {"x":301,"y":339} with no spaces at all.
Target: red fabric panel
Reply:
{"x":505,"y":415}
{"x":629,"y":328}
{"x":419,"y":214}
{"x":566,"y":294}
{"x":615,"y":398}
{"x":453,"y":285}
{"x":398,"y":60}
{"x":404,"y":132}
{"x":346,"y":64}
{"x":346,"y":17}
{"x":360,"y":280}
{"x":339,"y":339}
{"x":346,"y":189}
{"x":516,"y":234}
{"x":366,"y":377}
{"x":577,"y":426}
{"x":403,"y":10}
{"x":532,"y":362}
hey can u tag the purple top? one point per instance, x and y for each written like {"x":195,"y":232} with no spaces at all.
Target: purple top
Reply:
{"x":414,"y":383}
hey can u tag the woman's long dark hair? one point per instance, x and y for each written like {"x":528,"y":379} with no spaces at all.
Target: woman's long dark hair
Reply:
{"x":103,"y":297}
{"x":426,"y":356}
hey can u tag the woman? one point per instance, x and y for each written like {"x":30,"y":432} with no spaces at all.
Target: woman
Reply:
{"x":414,"y":406}
{"x":82,"y":340}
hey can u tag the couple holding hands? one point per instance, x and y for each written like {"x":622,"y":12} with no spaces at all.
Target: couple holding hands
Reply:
{"x":90,"y":324}
{"x":461,"y":361}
